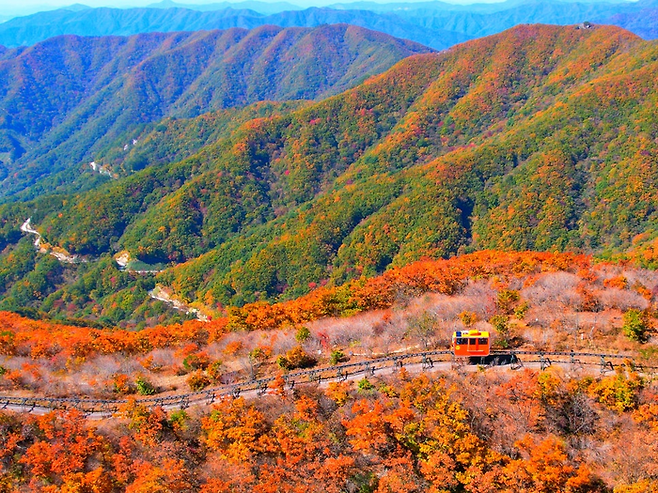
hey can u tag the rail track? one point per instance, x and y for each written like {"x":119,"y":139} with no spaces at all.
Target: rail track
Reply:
{"x":426,"y":360}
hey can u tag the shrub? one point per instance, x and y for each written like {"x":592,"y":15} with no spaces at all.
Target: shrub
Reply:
{"x":387,"y":390}
{"x":365,"y":385}
{"x":619,"y":392}
{"x":636,"y":325}
{"x":506,"y":300}
{"x":424,"y":327}
{"x":295,"y":358}
{"x":302,"y":335}
{"x":338,"y":392}
{"x":178,"y":419}
{"x":619,"y":282}
{"x":144,"y":387}
{"x":215,"y":370}
{"x":198,"y":380}
{"x":298,"y":358}
{"x":283,"y":363}
{"x":122,"y":384}
{"x":336,"y":356}
{"x":521,"y":310}
{"x":500,"y":323}
{"x":468,"y":318}
{"x":196,"y":361}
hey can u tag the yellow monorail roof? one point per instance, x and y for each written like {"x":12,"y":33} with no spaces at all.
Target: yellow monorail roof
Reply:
{"x":470,"y":333}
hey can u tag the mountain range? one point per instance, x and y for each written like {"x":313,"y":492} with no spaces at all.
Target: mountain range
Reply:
{"x":434,"y":24}
{"x":63,"y":100}
{"x":540,"y":138}
{"x":25,"y":31}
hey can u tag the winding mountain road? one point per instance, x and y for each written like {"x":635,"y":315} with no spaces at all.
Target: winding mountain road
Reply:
{"x":61,"y":256}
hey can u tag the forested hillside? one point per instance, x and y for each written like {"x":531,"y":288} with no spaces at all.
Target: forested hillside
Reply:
{"x":539,"y":138}
{"x":240,"y":261}
{"x":64,"y":100}
{"x":519,"y":432}
{"x":562,"y":429}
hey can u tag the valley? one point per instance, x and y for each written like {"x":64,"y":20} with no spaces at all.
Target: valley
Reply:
{"x":443,"y":154}
{"x":236,"y":260}
{"x":66,"y":99}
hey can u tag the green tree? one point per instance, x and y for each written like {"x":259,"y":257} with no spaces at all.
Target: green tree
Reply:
{"x":302,"y":335}
{"x":336,"y":356}
{"x":144,"y":387}
{"x":636,"y":325}
{"x":500,"y":323}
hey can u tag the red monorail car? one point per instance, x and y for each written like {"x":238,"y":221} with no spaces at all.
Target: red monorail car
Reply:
{"x":470,"y":343}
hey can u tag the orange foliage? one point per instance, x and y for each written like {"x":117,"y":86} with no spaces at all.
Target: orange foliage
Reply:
{"x":235,"y":430}
{"x":440,"y":276}
{"x":423,"y":435}
{"x":66,"y":446}
{"x":39,"y":339}
{"x":619,"y":282}
{"x":546,"y":468}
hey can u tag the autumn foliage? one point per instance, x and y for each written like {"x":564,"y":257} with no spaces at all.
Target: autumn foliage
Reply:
{"x":445,"y":433}
{"x":38,"y":339}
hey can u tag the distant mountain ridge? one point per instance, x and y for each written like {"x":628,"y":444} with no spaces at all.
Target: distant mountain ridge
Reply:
{"x":435,"y":24}
{"x":62,"y":100}
{"x":255,"y":5}
{"x":644,"y":23}
{"x":25,"y":31}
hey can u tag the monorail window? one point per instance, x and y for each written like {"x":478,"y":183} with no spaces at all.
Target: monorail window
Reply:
{"x":472,"y":341}
{"x":461,"y":340}
{"x":483,"y":340}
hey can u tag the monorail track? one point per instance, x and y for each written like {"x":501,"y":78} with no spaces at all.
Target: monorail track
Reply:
{"x":426,"y":360}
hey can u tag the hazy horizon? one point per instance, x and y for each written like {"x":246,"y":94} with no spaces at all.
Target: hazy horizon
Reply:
{"x":8,"y":8}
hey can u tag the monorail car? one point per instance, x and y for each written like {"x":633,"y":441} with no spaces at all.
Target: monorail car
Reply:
{"x":470,"y":343}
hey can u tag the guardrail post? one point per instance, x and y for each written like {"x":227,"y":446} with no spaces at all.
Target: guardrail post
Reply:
{"x":427,"y":362}
{"x":575,"y":363}
{"x":605,"y":365}
{"x":457,"y":363}
{"x":515,"y":361}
